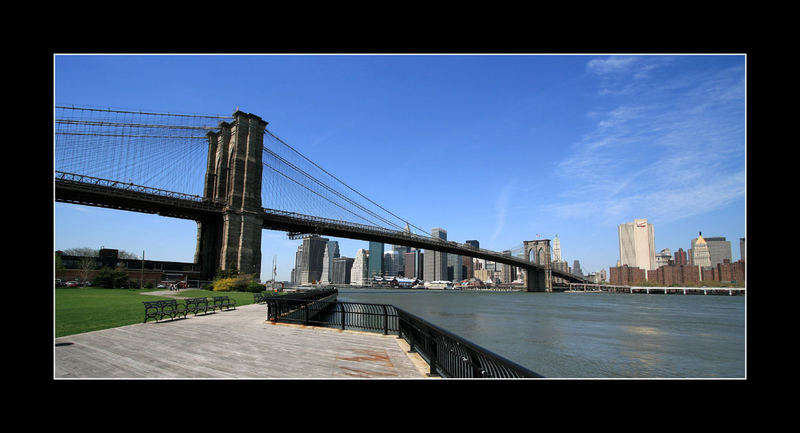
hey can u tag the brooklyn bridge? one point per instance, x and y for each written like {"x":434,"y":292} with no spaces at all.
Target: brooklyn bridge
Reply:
{"x":235,"y":178}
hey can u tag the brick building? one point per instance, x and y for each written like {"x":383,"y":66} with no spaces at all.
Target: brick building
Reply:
{"x":626,"y":275}
{"x":689,"y":275}
{"x":151,"y":271}
{"x":675,"y":274}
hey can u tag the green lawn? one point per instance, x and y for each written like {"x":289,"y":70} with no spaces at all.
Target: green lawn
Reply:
{"x":87,"y":309}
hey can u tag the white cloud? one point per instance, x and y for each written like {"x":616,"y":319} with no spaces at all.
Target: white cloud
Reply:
{"x":671,"y":148}
{"x":501,"y":206}
{"x":610,"y":64}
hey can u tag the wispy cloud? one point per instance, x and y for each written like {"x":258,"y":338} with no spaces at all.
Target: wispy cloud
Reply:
{"x":501,"y":208}
{"x":611,"y":64}
{"x":667,"y":148}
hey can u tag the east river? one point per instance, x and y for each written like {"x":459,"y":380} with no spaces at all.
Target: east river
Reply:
{"x":588,"y":335}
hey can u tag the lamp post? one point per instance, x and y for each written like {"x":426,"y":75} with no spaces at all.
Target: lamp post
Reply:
{"x":141,"y":275}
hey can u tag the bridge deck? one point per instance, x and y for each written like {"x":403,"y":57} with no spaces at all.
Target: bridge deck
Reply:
{"x":232,"y":344}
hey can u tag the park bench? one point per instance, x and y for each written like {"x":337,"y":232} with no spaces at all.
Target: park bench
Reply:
{"x":223,"y":302}
{"x":160,"y":309}
{"x":196,"y":305}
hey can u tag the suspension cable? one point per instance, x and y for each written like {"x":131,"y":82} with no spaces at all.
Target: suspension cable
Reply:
{"x":340,"y":181}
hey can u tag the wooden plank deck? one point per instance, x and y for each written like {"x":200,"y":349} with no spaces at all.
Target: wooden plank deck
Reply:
{"x":232,"y":344}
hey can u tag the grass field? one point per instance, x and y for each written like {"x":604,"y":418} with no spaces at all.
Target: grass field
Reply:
{"x":84,"y":309}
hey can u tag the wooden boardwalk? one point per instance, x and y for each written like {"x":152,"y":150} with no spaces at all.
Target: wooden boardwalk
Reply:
{"x":232,"y":344}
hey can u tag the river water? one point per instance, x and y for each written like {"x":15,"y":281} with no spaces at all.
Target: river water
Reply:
{"x":588,"y":335}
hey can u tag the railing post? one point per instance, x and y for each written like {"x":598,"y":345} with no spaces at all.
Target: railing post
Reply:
{"x":433,"y":355}
{"x":385,"y":321}
{"x":341,"y":307}
{"x":305,"y":311}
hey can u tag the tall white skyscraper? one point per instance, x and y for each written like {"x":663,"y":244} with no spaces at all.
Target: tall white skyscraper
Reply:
{"x":700,"y":252}
{"x":358,"y":273}
{"x":637,"y":245}
{"x":331,"y":252}
{"x":556,"y":249}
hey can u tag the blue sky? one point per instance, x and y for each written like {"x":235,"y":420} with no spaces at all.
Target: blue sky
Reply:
{"x":498,"y":148}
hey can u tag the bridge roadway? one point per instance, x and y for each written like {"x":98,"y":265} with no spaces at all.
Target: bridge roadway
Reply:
{"x":92,"y":191}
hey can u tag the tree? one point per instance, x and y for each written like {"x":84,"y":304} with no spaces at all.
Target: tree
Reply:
{"x":85,"y":265}
{"x":59,"y":265}
{"x":111,"y":278}
{"x":82,"y":252}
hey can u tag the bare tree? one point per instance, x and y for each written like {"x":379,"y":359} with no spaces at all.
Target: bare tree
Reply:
{"x":82,"y":252}
{"x":85,"y":265}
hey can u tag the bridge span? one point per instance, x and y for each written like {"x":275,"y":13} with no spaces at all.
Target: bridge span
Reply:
{"x":92,"y":191}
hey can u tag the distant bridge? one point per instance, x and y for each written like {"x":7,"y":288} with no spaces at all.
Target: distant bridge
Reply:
{"x":96,"y":149}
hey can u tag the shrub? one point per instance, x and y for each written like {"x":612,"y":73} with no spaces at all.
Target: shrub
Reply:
{"x":223,"y":284}
{"x":240,"y":283}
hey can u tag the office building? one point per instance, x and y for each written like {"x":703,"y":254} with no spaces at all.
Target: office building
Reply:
{"x":331,"y":252}
{"x":454,"y":268}
{"x":637,"y":245}
{"x":359,"y":273}
{"x":664,"y":258}
{"x":342,"y":270}
{"x":741,"y":249}
{"x":468,"y":267}
{"x":680,"y":257}
{"x":435,"y":262}
{"x":576,"y":268}
{"x":719,"y":250}
{"x":556,"y":249}
{"x":298,"y":259}
{"x":311,"y":260}
{"x":413,"y":264}
{"x":392,"y":263}
{"x":375,"y":259}
{"x":700,"y":254}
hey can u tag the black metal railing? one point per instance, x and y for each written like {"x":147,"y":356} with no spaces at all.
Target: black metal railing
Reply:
{"x":447,"y":354}
{"x":452,"y":356}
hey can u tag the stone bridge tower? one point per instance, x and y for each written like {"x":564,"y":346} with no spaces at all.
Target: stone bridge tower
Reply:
{"x":233,"y":176}
{"x":538,"y":252}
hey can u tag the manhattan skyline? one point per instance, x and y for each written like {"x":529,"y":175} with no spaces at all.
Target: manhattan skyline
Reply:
{"x":497,"y":148}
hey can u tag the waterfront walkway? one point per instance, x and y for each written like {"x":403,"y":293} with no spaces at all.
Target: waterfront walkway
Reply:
{"x":232,"y":344}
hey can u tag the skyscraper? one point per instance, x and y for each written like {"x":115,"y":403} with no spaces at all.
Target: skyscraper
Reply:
{"x":331,"y":252}
{"x":359,"y":273}
{"x":454,"y":271}
{"x":392,"y":263}
{"x":680,"y":257}
{"x":468,"y":262}
{"x":719,"y":250}
{"x":342,"y":268}
{"x":375,"y":259}
{"x":298,"y":260}
{"x":700,"y":252}
{"x":556,"y":249}
{"x":741,"y":249}
{"x":435,"y":268}
{"x":637,"y":245}
{"x":311,"y":261}
{"x":576,"y":268}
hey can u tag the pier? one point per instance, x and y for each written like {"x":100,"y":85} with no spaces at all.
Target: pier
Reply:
{"x":597,"y":288}
{"x":238,"y":343}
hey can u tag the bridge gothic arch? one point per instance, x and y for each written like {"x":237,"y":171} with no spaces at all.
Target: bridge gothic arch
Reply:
{"x":538,"y":279}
